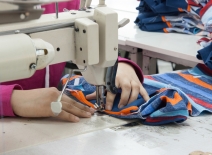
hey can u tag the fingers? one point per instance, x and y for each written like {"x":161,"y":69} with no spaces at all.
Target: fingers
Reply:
{"x":109,"y":100}
{"x":91,"y":96}
{"x":130,"y":93}
{"x":68,"y":117}
{"x":66,"y":99}
{"x":144,"y":93}
{"x":125,"y":95}
{"x":134,"y":91}
{"x":72,"y":109}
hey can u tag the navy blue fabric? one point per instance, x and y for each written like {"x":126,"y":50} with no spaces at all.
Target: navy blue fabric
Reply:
{"x":177,"y":4}
{"x":152,"y":19}
{"x":153,"y":26}
{"x":142,"y":16}
{"x":159,"y":6}
{"x":143,"y":7}
{"x":205,"y":54}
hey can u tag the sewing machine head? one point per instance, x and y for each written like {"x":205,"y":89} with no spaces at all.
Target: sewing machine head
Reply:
{"x":93,"y":35}
{"x":88,"y":38}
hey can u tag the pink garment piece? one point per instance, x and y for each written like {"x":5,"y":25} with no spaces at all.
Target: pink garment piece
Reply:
{"x":70,"y":5}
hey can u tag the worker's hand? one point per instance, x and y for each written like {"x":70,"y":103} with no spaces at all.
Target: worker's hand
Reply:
{"x":37,"y":103}
{"x":127,"y":80}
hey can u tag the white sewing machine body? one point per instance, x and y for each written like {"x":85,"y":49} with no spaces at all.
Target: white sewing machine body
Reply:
{"x":88,"y":38}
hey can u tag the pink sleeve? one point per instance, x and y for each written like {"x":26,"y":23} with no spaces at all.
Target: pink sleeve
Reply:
{"x":135,"y":66}
{"x":5,"y":98}
{"x":70,"y":5}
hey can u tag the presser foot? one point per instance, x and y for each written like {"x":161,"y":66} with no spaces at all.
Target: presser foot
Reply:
{"x":100,"y":108}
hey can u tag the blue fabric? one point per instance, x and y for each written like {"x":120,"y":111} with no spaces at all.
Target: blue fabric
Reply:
{"x":177,"y":4}
{"x":154,"y":23}
{"x":152,"y":19}
{"x":160,"y":7}
{"x":82,"y":85}
{"x":143,"y":7}
{"x":153,"y":26}
{"x":143,"y":16}
{"x":205,"y":54}
{"x":191,"y":31}
{"x":170,"y":96}
{"x":151,"y":11}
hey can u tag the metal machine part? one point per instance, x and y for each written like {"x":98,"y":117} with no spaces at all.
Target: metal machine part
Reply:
{"x":100,"y":98}
{"x":20,"y":15}
{"x":25,"y":10}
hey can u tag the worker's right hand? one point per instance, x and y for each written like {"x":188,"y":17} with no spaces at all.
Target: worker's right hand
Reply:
{"x":37,"y":103}
{"x":128,"y":81}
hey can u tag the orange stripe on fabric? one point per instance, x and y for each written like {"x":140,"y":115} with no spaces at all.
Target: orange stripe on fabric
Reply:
{"x":161,"y":90}
{"x":80,"y":96}
{"x":180,"y":9}
{"x":197,"y":81}
{"x":189,"y":8}
{"x":189,"y":107}
{"x":126,"y":111}
{"x":73,"y":77}
{"x":165,"y":30}
{"x":177,"y":98}
{"x":169,"y":24}
{"x":163,"y":18}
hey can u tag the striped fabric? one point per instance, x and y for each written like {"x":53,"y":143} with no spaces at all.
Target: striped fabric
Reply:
{"x":173,"y":97}
{"x":195,"y":85}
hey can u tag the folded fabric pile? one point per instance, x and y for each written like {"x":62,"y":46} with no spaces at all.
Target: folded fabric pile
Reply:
{"x":173,"y":96}
{"x":205,"y":53}
{"x":175,"y":16}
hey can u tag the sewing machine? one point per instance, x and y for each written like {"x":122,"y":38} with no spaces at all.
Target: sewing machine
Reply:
{"x":31,"y":41}
{"x":99,"y":134}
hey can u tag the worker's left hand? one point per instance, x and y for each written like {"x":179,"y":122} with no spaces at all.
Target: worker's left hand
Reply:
{"x":37,"y":103}
{"x":127,"y":80}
